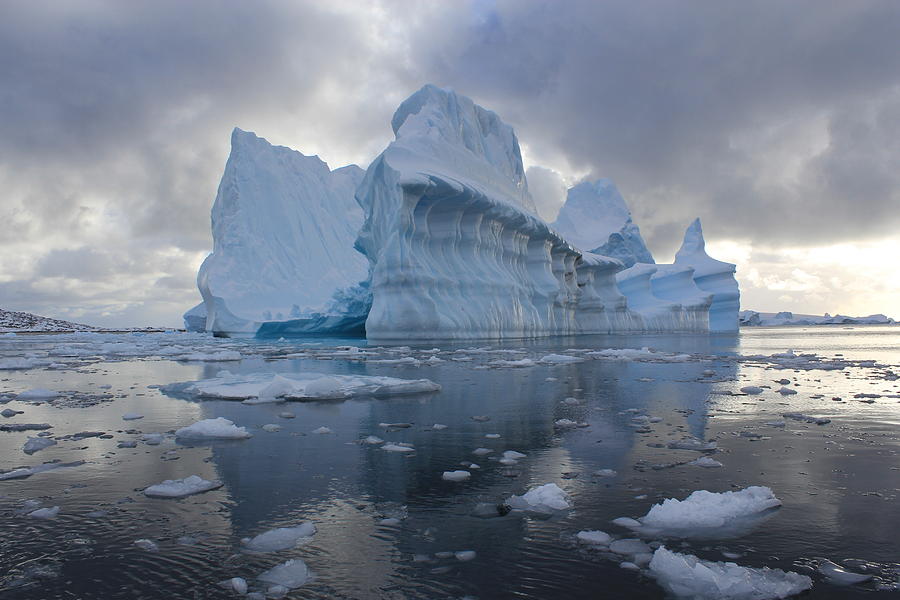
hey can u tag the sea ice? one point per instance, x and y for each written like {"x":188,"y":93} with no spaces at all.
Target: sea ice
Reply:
{"x":707,"y":514}
{"x":218,"y":428}
{"x":397,"y":448}
{"x":705,"y":461}
{"x":179,"y":488}
{"x":44,"y":513}
{"x":687,"y":576}
{"x":37,"y":443}
{"x":282,"y":538}
{"x":456,"y":475}
{"x":132,"y":416}
{"x":594,"y":537}
{"x":542,"y":499}
{"x":291,"y":574}
{"x":838,"y":575}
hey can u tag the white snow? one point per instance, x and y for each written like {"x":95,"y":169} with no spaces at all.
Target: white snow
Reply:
{"x":218,"y":428}
{"x":541,"y":498}
{"x":282,"y":538}
{"x":179,"y":488}
{"x":686,"y":576}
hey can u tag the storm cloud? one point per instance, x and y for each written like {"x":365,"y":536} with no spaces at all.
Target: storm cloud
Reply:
{"x":777,"y":123}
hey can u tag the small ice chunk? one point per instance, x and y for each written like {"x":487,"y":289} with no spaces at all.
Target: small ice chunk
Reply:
{"x":686,"y":576}
{"x":465,"y":555}
{"x":237,"y":585}
{"x":291,"y":574}
{"x":286,"y":415}
{"x":542,"y":498}
{"x":8,"y":412}
{"x":44,"y":513}
{"x":132,"y":417}
{"x":752,"y":390}
{"x":560,"y":359}
{"x":438,"y":426}
{"x":179,"y":488}
{"x":322,"y":430}
{"x":282,"y":538}
{"x":786,"y":391}
{"x":152,"y":439}
{"x":271,"y":427}
{"x":219,"y":428}
{"x":594,"y":537}
{"x":481,"y":451}
{"x":705,"y":461}
{"x":627,"y":522}
{"x":37,"y":394}
{"x":629,"y":546}
{"x":397,"y":448}
{"x":373,"y":440}
{"x":838,"y":575}
{"x":35,"y":444}
{"x":455,"y":475}
{"x":807,"y":418}
{"x":513,"y":455}
{"x":605,"y":473}
{"x":704,"y":510}
{"x":691,"y":443}
{"x":492,"y":436}
{"x":145,"y":544}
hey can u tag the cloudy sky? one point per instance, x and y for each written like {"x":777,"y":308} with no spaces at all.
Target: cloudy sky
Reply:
{"x":777,"y":123}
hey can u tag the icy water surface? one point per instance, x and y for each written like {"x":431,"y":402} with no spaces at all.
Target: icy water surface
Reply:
{"x":387,"y":524}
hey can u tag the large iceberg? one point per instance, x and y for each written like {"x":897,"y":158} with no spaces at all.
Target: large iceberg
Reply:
{"x":713,"y":276}
{"x":455,"y":247}
{"x":442,"y":241}
{"x":283,"y":226}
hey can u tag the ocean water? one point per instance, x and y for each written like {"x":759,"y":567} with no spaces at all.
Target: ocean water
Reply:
{"x":387,"y":523}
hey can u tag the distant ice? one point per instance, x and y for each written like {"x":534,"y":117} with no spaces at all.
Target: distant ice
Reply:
{"x":179,"y":488}
{"x":218,"y":428}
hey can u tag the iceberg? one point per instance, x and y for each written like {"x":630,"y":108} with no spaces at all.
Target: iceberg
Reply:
{"x":283,"y":226}
{"x":712,"y":276}
{"x":596,"y":218}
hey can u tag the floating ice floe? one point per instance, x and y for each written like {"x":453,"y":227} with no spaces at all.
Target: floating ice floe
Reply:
{"x":807,"y":418}
{"x":373,"y":440}
{"x":594,"y":537}
{"x":291,"y":574}
{"x":752,"y":390}
{"x":398,"y":447}
{"x":222,"y":356}
{"x":218,"y":428}
{"x":22,"y":364}
{"x":23,"y":472}
{"x":37,"y":394}
{"x":282,"y":538}
{"x":509,"y":457}
{"x":298,"y":386}
{"x":605,"y":473}
{"x":706,"y":514}
{"x":543,"y":498}
{"x":271,"y":427}
{"x":560,"y":359}
{"x":705,"y":461}
{"x":838,"y":575}
{"x":686,"y":576}
{"x":644,"y":354}
{"x":132,"y":417}
{"x":455,"y":475}
{"x":691,"y":443}
{"x":179,"y":488}
{"x":44,"y":513}
{"x":322,"y":430}
{"x":148,"y":545}
{"x":35,"y":444}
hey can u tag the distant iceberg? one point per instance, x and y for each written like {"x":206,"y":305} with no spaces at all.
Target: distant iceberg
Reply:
{"x":438,"y":238}
{"x":750,"y":318}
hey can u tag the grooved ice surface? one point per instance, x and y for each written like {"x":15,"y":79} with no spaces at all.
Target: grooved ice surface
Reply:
{"x":283,"y":227}
{"x":455,"y":248}
{"x":713,"y":276}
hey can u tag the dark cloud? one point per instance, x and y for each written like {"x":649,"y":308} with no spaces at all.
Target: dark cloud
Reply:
{"x":775,"y":122}
{"x":548,"y":190}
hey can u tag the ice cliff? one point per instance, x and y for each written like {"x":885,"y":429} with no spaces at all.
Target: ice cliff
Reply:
{"x":455,"y":247}
{"x":713,"y":276}
{"x":283,"y":226}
